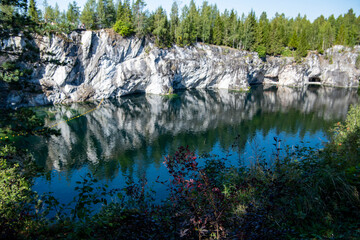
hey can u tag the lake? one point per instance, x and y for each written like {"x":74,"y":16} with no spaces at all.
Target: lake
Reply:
{"x":131,"y":135}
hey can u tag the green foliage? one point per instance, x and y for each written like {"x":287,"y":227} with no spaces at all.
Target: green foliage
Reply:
{"x":139,"y":17}
{"x":261,"y":50}
{"x":346,"y":135}
{"x":11,"y":72}
{"x":106,"y":14}
{"x":218,"y":30}
{"x":88,"y":15}
{"x":33,"y":12}
{"x":205,"y":23}
{"x":161,"y":31}
{"x":174,"y":21}
{"x":306,"y":193}
{"x":15,"y":193}
{"x":73,"y":14}
{"x":294,"y":43}
{"x":125,"y":29}
{"x":286,"y":52}
{"x":249,"y":31}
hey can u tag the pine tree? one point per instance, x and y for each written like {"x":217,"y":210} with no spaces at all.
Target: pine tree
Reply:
{"x":119,"y":10}
{"x":33,"y":12}
{"x":57,"y":13}
{"x":88,"y":16}
{"x":139,"y":17}
{"x":73,"y":13}
{"x":48,"y":13}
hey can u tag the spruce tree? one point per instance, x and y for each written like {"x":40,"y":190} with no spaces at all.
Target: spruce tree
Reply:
{"x":225,"y":17}
{"x":174,"y":21}
{"x":101,"y":14}
{"x":182,"y":32}
{"x":249,"y":31}
{"x":303,"y":46}
{"x":161,"y":31}
{"x":233,"y":28}
{"x":294,"y":42}
{"x":342,"y":35}
{"x":262,"y":35}
{"x":205,"y":22}
{"x":110,"y":13}
{"x":218,"y":30}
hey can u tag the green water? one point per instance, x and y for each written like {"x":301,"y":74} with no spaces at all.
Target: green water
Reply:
{"x":131,"y":135}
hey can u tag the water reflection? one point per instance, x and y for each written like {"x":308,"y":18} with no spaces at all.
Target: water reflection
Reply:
{"x":136,"y":132}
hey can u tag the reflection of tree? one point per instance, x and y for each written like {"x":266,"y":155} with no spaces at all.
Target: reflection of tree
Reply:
{"x":131,"y":133}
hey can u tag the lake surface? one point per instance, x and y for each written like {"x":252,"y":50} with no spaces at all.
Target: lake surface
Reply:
{"x":131,"y":135}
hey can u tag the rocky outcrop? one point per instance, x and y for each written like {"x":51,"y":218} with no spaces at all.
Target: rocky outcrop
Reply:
{"x":94,"y":65}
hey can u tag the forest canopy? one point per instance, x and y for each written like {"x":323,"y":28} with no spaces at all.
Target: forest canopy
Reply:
{"x":276,"y":35}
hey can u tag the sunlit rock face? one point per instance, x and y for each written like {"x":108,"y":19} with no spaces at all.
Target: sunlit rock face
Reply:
{"x":144,"y":126}
{"x":91,"y":65}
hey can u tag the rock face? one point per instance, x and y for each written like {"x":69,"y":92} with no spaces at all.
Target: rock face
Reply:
{"x":94,"y":65}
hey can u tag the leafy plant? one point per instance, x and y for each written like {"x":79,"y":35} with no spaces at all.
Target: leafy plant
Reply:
{"x":261,"y":50}
{"x":15,"y":199}
{"x":123,"y":28}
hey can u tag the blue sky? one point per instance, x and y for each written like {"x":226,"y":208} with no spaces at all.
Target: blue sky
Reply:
{"x":311,"y":8}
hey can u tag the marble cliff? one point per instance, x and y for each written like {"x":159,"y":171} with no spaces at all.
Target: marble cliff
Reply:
{"x":92,"y":65}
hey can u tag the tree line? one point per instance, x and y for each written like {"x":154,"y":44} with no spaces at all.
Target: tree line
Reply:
{"x":279,"y":35}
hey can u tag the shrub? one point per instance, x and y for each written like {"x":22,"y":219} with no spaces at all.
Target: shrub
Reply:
{"x":15,"y":195}
{"x":286,"y":52}
{"x":123,"y":28}
{"x":261,"y":50}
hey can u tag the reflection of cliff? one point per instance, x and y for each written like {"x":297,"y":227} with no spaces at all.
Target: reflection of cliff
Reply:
{"x":141,"y":129}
